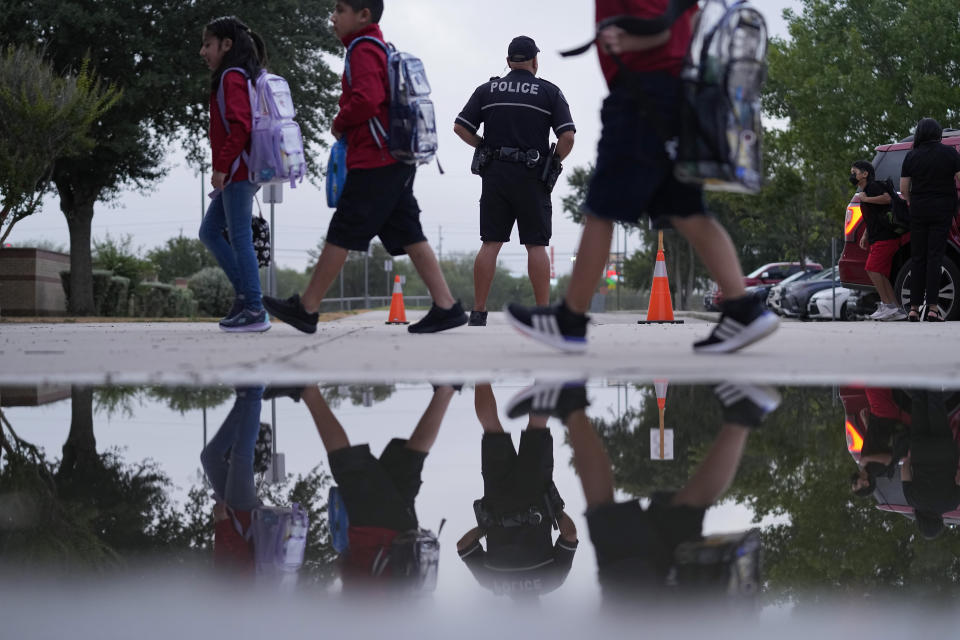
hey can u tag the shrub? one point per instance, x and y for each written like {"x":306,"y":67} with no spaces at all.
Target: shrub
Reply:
{"x":150,"y":299}
{"x":212,"y":292}
{"x":120,"y":257}
{"x":180,"y":304}
{"x":117,"y":301}
{"x":101,"y":288}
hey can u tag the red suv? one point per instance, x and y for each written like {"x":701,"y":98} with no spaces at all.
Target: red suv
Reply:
{"x":888,"y":161}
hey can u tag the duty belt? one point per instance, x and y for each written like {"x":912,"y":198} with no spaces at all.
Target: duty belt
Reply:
{"x":530,"y":157}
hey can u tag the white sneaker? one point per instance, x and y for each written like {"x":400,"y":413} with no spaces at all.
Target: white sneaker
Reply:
{"x":881,"y":310}
{"x":898,"y":314}
{"x":885,"y":312}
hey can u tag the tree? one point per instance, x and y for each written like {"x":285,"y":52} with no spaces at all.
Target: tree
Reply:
{"x":45,"y":117}
{"x":147,"y":50}
{"x":180,"y":257}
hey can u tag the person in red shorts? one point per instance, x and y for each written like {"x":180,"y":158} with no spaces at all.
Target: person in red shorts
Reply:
{"x":879,"y":237}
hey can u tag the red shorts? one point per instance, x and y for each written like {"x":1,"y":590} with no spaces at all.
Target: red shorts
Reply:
{"x":881,"y":255}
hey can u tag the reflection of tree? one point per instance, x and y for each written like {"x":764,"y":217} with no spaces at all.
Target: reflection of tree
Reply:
{"x":797,"y":468}
{"x":119,"y":400}
{"x":356,"y":394}
{"x":90,"y":509}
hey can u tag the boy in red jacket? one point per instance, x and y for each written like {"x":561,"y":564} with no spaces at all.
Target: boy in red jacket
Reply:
{"x":634,"y":176}
{"x":377,"y":198}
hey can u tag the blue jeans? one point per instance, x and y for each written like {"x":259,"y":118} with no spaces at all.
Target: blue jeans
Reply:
{"x":228,"y":458}
{"x":232,"y":209}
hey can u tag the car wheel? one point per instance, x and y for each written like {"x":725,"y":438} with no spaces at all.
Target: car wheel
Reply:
{"x":848,"y":312}
{"x":949,"y":283}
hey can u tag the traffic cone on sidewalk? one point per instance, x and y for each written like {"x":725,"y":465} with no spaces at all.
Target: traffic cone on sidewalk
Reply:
{"x":398,"y":315}
{"x":661,"y":440}
{"x":660,"y":310}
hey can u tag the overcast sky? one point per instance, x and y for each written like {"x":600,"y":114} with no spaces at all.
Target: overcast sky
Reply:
{"x":462,"y":44}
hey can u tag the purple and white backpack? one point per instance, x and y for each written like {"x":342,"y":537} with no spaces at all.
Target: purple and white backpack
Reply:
{"x":279,"y":536}
{"x":276,"y":144}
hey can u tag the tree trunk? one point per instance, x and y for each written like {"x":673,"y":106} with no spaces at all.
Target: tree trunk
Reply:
{"x":81,"y":445}
{"x":79,"y":218}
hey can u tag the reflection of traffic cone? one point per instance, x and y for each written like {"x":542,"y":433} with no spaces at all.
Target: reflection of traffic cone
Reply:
{"x":660,"y":387}
{"x":398,"y":314}
{"x":660,"y":310}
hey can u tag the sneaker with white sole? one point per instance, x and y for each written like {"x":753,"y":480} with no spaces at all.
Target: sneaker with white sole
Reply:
{"x":555,"y":325}
{"x":897,"y":315}
{"x":885,"y":312}
{"x":247,"y":321}
{"x":746,"y":405}
{"x":743,"y":322}
{"x":557,"y":399}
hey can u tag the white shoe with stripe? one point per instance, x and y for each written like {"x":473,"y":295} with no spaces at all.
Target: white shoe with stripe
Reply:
{"x":730,"y":335}
{"x":556,"y":399}
{"x":545,"y":325}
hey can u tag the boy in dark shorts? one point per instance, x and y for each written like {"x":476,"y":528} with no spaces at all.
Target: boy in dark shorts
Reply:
{"x":378,"y":493}
{"x":634,"y":176}
{"x":377,"y":198}
{"x":635,"y":546}
{"x":517,"y":512}
{"x":878,"y":238}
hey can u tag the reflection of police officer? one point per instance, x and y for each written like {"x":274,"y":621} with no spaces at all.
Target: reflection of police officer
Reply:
{"x":517,"y":112}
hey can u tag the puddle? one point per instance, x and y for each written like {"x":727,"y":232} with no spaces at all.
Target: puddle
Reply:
{"x":104,"y":485}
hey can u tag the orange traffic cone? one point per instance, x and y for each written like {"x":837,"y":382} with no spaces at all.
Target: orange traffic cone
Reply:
{"x":660,"y":310}
{"x":398,"y":315}
{"x":660,"y":387}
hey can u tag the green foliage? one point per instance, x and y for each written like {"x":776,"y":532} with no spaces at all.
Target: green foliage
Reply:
{"x":212,"y":291}
{"x":101,"y":287}
{"x":180,"y":257}
{"x":46,"y":117}
{"x":119,"y":256}
{"x":291,"y":281}
{"x":357,"y":394}
{"x":117,"y":300}
{"x":159,"y":300}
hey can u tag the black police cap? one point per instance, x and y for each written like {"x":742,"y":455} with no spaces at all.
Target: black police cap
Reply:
{"x":521,"y":49}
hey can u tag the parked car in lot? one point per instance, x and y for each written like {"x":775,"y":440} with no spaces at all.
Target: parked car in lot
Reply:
{"x":796,"y":296}
{"x":888,"y":162}
{"x":823,"y":306}
{"x":775,"y":291}
{"x":761,"y":279}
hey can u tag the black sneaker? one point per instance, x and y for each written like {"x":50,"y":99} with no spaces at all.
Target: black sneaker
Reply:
{"x":746,"y":404}
{"x":555,"y":325}
{"x":438,"y":319}
{"x":743,"y":322}
{"x":557,"y":399}
{"x":478,"y":319}
{"x":247,"y":321}
{"x":294,"y":393}
{"x":234,"y":310}
{"x":292,"y":312}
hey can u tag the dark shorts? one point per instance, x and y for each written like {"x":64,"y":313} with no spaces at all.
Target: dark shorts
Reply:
{"x":635,"y":546}
{"x":379,"y":493}
{"x":377,"y":202}
{"x":634,"y":174}
{"x":512,"y":192}
{"x":512,"y":481}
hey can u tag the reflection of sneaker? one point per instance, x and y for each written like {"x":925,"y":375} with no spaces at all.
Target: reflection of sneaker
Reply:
{"x":746,"y":404}
{"x":246,"y":321}
{"x":294,"y":393}
{"x":478,"y":318}
{"x":743,"y":322}
{"x":556,"y":325}
{"x":234,"y":310}
{"x":438,"y":319}
{"x":557,"y":399}
{"x":292,"y":312}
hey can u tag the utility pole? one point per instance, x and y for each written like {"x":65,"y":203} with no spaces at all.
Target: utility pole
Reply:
{"x":440,"y":244}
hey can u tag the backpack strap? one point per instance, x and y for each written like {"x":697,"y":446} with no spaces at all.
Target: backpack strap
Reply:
{"x":222,"y":104}
{"x":638,"y":26}
{"x":378,"y":41}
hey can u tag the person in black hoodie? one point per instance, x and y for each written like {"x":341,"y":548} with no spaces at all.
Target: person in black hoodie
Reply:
{"x":519,"y":509}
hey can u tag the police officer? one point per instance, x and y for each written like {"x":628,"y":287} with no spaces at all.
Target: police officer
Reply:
{"x":517,"y":112}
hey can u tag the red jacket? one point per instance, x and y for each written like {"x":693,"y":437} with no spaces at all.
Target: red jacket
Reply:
{"x":366,"y":96}
{"x":365,"y":544}
{"x":226,"y":148}
{"x":231,"y":550}
{"x":668,"y":57}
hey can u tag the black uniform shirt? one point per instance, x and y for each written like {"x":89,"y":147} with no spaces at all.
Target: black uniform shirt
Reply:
{"x":933,"y":190}
{"x":517,"y":111}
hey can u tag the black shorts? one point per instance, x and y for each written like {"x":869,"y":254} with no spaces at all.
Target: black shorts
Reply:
{"x":379,"y":493}
{"x":377,"y":202}
{"x":512,"y":192}
{"x":635,"y":546}
{"x":634,"y":174}
{"x":513,"y":482}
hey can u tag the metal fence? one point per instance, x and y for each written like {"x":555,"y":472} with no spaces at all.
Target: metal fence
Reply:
{"x":370,"y":302}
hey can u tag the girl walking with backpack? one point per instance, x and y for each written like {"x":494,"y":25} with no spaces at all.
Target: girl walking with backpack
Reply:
{"x":234,"y":55}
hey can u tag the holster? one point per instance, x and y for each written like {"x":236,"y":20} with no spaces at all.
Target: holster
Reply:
{"x":482,"y":156}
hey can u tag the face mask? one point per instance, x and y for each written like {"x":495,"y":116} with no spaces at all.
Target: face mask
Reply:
{"x":853,"y":179}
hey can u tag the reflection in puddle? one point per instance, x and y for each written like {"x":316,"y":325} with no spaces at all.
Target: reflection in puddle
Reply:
{"x":739,"y":493}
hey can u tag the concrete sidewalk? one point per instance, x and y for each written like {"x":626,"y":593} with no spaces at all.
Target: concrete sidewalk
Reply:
{"x":362,"y":348}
